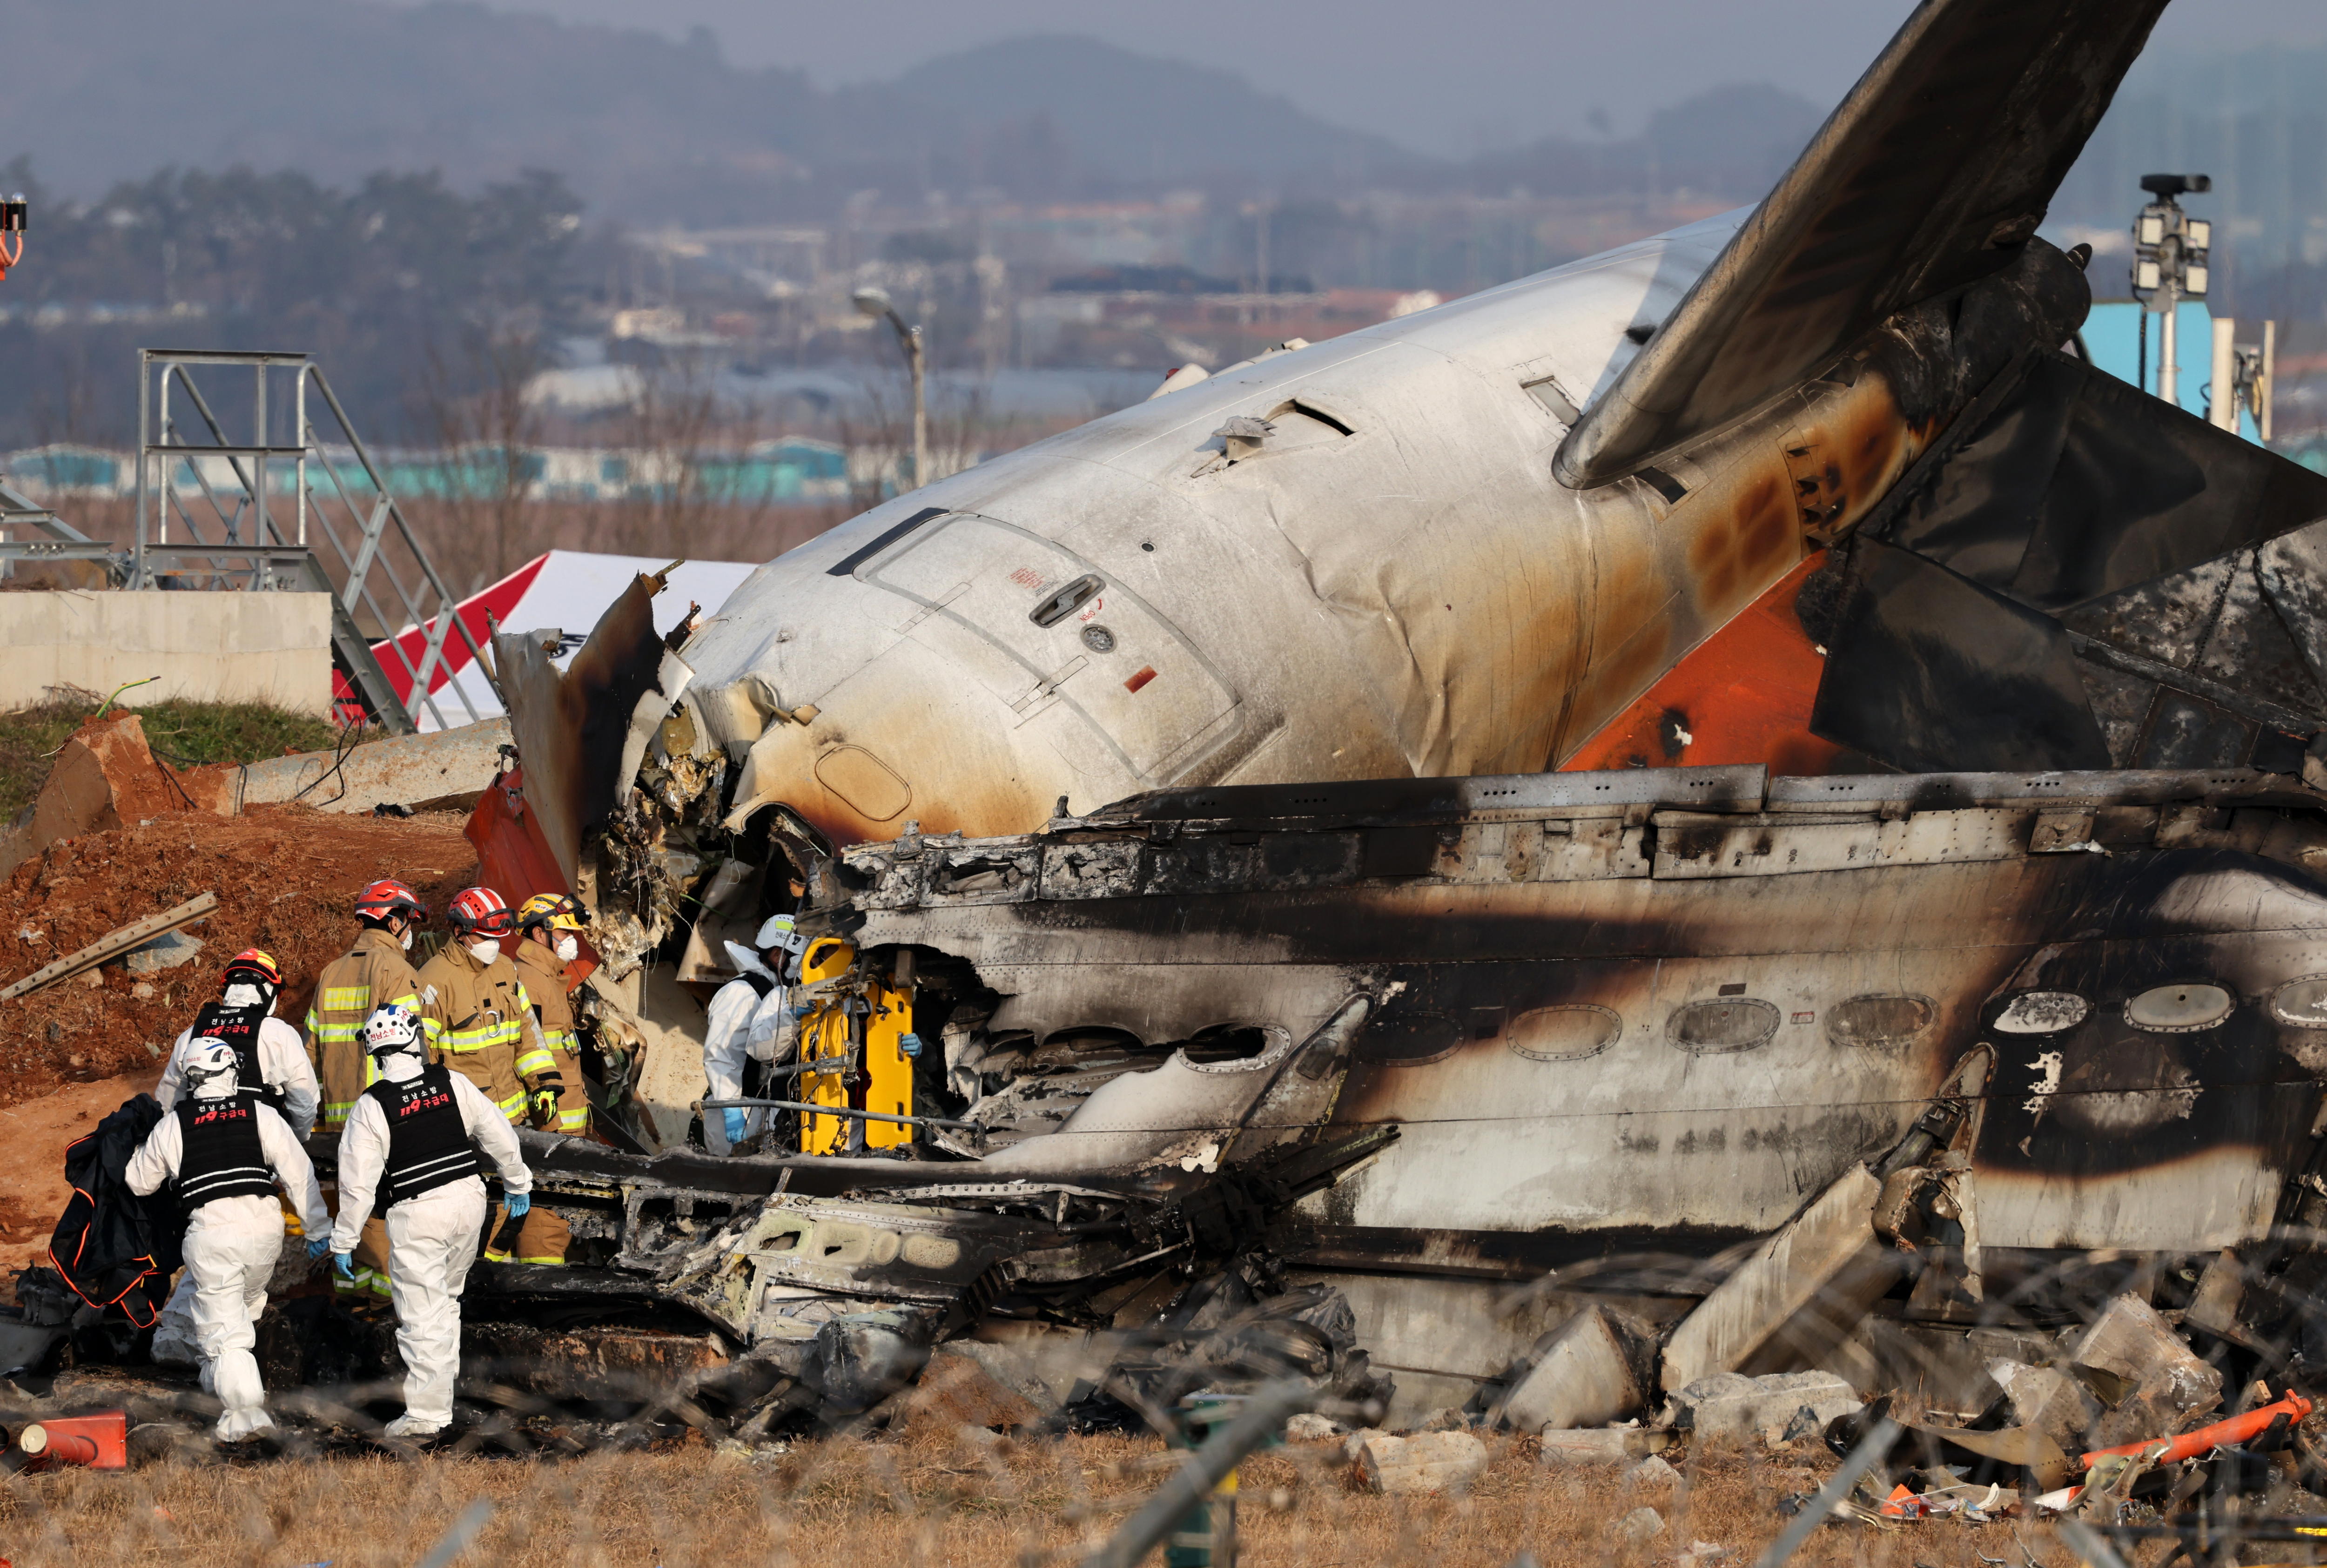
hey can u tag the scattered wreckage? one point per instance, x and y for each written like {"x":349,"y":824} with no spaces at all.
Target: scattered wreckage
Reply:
{"x":1920,"y":938}
{"x":1914,"y":947}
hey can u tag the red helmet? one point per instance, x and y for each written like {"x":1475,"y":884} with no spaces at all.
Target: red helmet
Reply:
{"x":251,"y":966}
{"x":387,"y":897}
{"x":482,"y":910}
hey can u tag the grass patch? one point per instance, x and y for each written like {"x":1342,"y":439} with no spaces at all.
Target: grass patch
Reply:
{"x":186,"y":733}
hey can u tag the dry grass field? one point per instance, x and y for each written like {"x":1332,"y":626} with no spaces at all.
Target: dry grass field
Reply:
{"x":933,"y":1499}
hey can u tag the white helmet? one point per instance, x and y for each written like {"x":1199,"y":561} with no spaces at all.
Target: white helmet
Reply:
{"x":777,"y":931}
{"x":391,"y":1028}
{"x":209,"y":1068}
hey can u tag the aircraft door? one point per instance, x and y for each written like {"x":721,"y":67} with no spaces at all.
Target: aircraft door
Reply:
{"x":1071,"y":635}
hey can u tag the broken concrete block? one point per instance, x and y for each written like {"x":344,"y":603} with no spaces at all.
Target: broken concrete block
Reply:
{"x":1638,"y":1528}
{"x":445,"y":769}
{"x":167,"y":951}
{"x":1428,"y":1462}
{"x":1446,"y":1418}
{"x":1583,"y":1376}
{"x":1797,"y":1298}
{"x":1604,"y":1444}
{"x":2172,"y":1388}
{"x":1732,"y":1404}
{"x":2048,"y":1400}
{"x":1311,"y":1427}
{"x":1652,"y":1472}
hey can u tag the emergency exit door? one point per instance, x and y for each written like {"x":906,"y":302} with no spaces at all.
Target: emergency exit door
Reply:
{"x":1071,"y":636}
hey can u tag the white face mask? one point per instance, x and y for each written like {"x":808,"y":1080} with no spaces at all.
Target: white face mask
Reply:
{"x":568,"y":949}
{"x":241,"y":996}
{"x":408,"y":939}
{"x":485,"y":949}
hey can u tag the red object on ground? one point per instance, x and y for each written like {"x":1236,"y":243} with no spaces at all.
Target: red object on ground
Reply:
{"x":1742,"y":695}
{"x":2238,"y":1429}
{"x":95,"y":1442}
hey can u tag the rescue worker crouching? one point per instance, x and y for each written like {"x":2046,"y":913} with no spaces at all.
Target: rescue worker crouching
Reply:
{"x":373,"y":974}
{"x":268,"y":1061}
{"x":751,"y":1020}
{"x":226,"y":1149}
{"x":548,"y":927}
{"x":410,"y":1146}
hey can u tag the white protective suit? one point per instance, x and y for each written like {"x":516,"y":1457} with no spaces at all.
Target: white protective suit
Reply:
{"x":432,"y":1239}
{"x":743,"y":1025}
{"x":230,"y":1247}
{"x":281,"y":1064}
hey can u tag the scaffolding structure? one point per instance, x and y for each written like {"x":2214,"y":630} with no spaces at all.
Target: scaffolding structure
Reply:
{"x":235,"y":526}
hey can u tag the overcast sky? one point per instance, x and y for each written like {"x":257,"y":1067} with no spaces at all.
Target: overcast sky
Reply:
{"x":1448,"y":76}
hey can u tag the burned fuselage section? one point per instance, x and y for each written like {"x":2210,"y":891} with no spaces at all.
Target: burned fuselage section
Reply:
{"x":1457,"y":1031}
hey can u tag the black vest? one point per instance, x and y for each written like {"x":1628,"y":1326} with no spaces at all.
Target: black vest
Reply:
{"x":239,"y":1027}
{"x":427,"y":1141}
{"x":222,"y":1157}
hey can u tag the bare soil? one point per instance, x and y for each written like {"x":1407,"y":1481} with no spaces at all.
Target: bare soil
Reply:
{"x":283,"y":877}
{"x":954,"y":1499}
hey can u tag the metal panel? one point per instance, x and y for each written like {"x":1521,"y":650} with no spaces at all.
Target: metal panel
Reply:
{"x":1691,"y":848}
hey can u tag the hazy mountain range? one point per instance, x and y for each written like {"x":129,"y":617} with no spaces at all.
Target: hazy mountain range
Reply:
{"x":653,"y":128}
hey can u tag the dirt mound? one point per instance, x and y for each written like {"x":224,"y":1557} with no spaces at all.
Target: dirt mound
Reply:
{"x":283,"y":877}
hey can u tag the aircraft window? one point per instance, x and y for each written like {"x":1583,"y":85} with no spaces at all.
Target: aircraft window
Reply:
{"x":1884,"y":1021}
{"x":2302,"y":1002}
{"x":2042,"y":1013}
{"x":2179,"y":1009}
{"x":1567,"y":1031}
{"x":1717,"y":1028}
{"x":1066,"y":601}
{"x":1228,"y":1043}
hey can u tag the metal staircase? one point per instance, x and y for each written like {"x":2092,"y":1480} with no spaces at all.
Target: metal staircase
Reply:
{"x":216,"y":513}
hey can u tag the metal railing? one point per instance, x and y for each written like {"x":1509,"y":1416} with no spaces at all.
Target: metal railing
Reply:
{"x":219,"y":495}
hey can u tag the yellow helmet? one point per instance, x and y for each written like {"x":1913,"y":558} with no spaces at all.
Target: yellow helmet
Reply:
{"x":556,"y":911}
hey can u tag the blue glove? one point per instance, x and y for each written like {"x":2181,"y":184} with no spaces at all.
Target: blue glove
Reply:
{"x":736,"y":1123}
{"x":519,"y":1204}
{"x":317,"y":1246}
{"x":344,"y":1265}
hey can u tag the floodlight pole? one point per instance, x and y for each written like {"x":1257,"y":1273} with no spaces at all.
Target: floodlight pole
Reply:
{"x":875,"y":302}
{"x":2170,"y":262}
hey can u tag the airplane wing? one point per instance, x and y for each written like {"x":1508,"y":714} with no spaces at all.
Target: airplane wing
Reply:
{"x":1934,"y":172}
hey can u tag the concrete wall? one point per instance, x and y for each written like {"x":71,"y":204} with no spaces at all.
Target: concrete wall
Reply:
{"x":273,"y":647}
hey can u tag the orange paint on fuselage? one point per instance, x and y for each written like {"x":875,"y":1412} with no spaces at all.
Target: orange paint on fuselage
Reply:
{"x":1742,"y":695}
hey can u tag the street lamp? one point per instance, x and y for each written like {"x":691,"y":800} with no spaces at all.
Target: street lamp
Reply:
{"x":875,"y":302}
{"x":2170,"y":264}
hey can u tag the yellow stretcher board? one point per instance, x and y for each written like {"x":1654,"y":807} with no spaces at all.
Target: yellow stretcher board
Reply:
{"x":834,"y":1039}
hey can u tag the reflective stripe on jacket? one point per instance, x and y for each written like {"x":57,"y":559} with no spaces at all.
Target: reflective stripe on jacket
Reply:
{"x":373,"y":974}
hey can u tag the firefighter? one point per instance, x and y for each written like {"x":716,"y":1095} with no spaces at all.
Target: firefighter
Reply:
{"x":548,"y":926}
{"x":410,"y":1146}
{"x":751,"y":1020}
{"x":226,"y":1149}
{"x":374,"y":973}
{"x":473,"y":1008}
{"x":268,"y":1060}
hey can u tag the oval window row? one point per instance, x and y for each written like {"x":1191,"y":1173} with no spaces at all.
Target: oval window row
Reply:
{"x":1574,"y":1031}
{"x":2179,"y":1009}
